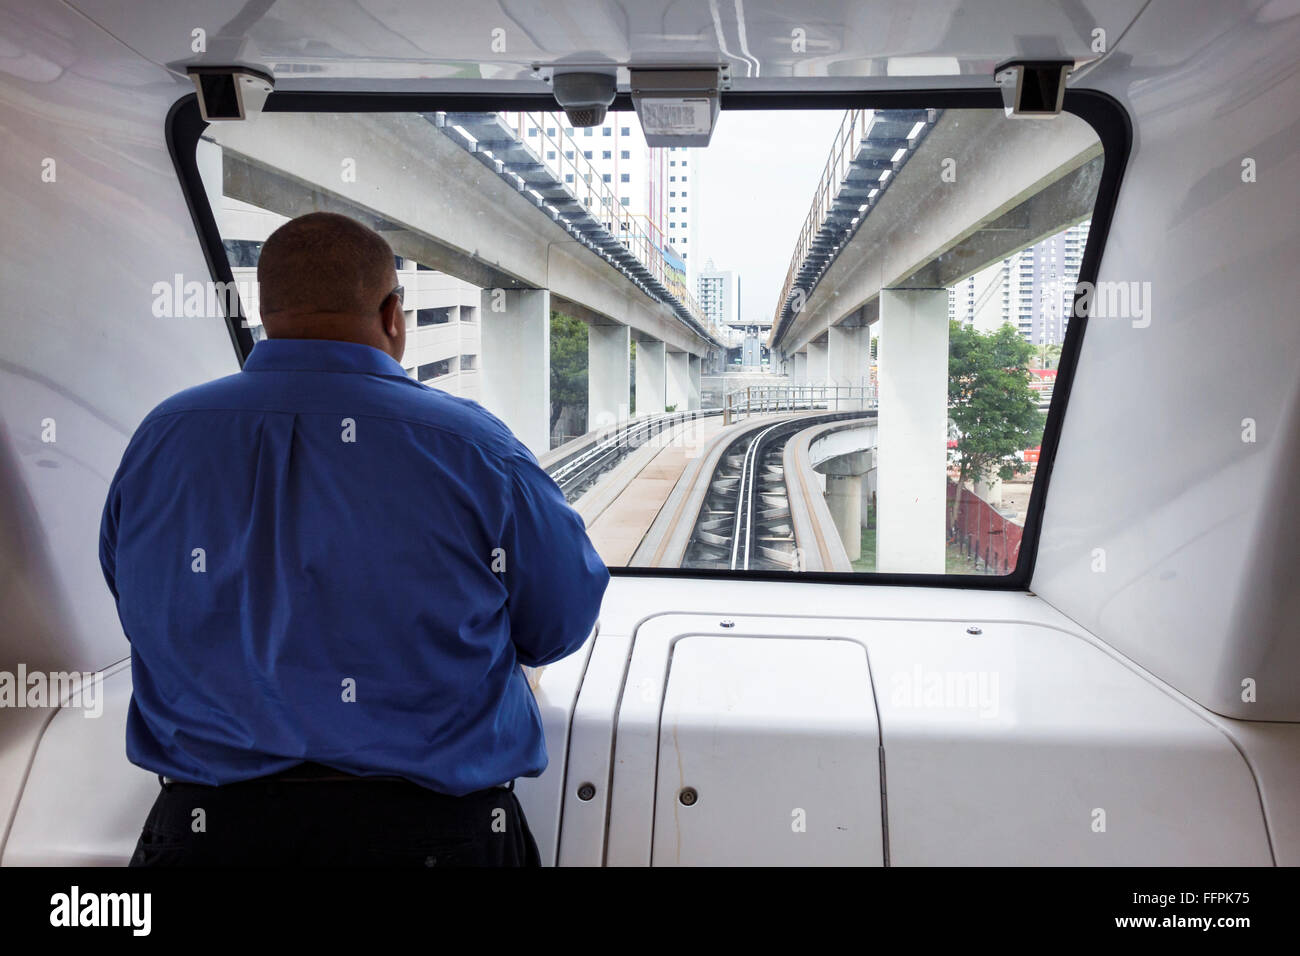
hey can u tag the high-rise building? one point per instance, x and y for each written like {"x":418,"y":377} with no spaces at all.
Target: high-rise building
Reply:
{"x":1032,"y":290}
{"x":718,"y":294}
{"x":681,"y":200}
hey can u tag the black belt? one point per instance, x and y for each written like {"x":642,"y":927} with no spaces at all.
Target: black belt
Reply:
{"x":310,"y":772}
{"x":315,"y":772}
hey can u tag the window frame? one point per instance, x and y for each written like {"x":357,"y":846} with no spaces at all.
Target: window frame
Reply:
{"x":184,"y":126}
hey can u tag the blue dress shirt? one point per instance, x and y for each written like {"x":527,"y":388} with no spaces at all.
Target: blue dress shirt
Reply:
{"x":318,"y":558}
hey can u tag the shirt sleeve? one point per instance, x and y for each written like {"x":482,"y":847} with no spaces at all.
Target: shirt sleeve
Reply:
{"x":109,"y":522}
{"x":554,"y":577}
{"x":108,"y":537}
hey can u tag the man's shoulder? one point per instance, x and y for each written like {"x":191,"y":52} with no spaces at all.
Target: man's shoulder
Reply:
{"x":389,"y":398}
{"x":220,"y":393}
{"x":461,"y":417}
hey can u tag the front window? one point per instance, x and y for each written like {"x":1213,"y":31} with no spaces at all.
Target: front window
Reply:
{"x":850,"y":374}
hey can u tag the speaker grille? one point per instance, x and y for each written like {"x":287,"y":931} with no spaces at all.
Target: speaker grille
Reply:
{"x":586,"y":115}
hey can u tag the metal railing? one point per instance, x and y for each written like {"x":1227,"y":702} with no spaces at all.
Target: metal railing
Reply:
{"x":611,"y":444}
{"x":853,"y":129}
{"x":772,"y":399}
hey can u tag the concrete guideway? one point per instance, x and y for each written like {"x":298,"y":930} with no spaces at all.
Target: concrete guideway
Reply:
{"x":621,"y":508}
{"x":869,"y":151}
{"x":1013,"y":182}
{"x":666,"y":543}
{"x":823,"y":533}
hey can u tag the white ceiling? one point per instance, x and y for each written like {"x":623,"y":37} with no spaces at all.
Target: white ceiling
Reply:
{"x":390,"y":43}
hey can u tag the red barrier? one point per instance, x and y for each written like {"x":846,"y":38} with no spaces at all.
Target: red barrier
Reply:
{"x":983,"y":533}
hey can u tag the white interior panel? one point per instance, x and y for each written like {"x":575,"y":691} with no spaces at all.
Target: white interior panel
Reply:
{"x":83,"y":804}
{"x":777,"y":744}
{"x":998,"y":747}
{"x":1024,"y":745}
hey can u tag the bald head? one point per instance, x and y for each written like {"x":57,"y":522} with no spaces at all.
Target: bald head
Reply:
{"x":324,"y":262}
{"x":323,"y":275}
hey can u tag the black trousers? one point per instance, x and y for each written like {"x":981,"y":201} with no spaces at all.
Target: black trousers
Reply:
{"x":276,"y":822}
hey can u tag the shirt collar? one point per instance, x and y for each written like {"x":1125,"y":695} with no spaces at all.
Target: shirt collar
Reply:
{"x":320,"y":355}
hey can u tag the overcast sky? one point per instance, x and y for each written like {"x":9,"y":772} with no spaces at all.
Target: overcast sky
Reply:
{"x":754,"y":187}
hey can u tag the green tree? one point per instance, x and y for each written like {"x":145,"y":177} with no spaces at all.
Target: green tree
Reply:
{"x":990,"y":403}
{"x":568,"y":365}
{"x":1049,"y":356}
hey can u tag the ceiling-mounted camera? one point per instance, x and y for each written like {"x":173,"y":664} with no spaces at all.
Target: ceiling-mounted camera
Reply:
{"x":584,"y":97}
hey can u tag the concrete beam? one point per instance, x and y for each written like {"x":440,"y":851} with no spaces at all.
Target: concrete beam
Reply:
{"x":515,"y":349}
{"x":435,"y":203}
{"x":854,"y":463}
{"x":1016,"y":182}
{"x":912,"y":432}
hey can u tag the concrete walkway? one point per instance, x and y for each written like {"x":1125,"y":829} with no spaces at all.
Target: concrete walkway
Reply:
{"x":620,"y":508}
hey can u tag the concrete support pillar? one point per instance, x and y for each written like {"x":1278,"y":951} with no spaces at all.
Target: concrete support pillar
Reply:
{"x":516,"y":354}
{"x":849,"y":360}
{"x":990,"y":490}
{"x":799,"y":373}
{"x":868,"y":489}
{"x":609,"y":374}
{"x":818,"y":366}
{"x":651,"y":376}
{"x":844,"y":499}
{"x":913,"y":431}
{"x":697,"y":371}
{"x":679,"y":381}
{"x":845,"y":477}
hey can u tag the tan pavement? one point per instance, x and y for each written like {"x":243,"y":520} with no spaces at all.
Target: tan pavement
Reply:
{"x":620,"y":508}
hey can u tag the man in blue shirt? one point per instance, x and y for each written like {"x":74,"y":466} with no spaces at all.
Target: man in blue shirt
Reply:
{"x":330,"y":575}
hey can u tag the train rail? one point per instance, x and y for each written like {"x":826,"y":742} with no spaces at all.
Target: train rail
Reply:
{"x":732,"y":509}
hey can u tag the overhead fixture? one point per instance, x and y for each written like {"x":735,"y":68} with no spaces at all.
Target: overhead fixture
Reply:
{"x":677,"y":107}
{"x":584,"y":97}
{"x":229,"y":92}
{"x":1032,"y":88}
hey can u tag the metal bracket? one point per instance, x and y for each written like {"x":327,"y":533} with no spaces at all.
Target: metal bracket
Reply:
{"x":1032,"y":88}
{"x":229,"y":93}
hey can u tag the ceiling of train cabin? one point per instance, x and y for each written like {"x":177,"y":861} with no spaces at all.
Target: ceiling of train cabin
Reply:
{"x":421,"y":45}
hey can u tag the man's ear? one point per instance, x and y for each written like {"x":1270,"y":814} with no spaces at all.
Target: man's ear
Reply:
{"x":394,"y":327}
{"x":393,"y":318}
